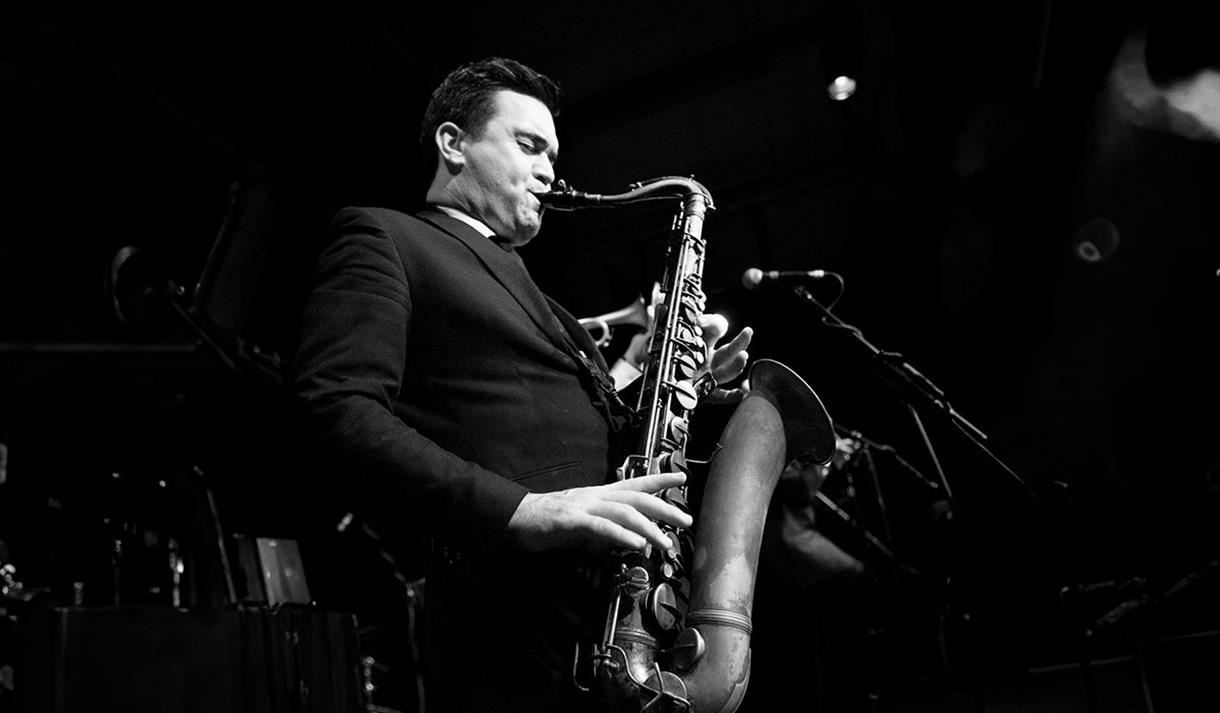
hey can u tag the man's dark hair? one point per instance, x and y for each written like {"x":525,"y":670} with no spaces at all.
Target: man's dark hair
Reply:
{"x":466,"y":96}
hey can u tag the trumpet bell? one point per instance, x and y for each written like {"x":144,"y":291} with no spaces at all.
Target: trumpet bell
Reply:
{"x":600,"y":327}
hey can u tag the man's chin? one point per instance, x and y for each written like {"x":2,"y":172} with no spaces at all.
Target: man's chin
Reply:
{"x":526,"y":231}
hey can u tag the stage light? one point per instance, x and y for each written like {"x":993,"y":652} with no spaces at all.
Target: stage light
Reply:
{"x":841,"y":88}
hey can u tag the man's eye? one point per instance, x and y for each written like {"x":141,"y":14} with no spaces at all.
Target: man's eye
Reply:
{"x":528,"y":147}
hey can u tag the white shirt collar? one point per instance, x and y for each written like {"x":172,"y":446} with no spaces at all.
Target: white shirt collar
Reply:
{"x":472,"y":222}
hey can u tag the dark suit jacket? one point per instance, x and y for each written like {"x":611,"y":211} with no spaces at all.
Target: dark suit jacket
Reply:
{"x":438,"y":380}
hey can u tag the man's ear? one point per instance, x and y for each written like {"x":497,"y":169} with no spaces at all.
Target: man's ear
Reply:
{"x":448,"y":139}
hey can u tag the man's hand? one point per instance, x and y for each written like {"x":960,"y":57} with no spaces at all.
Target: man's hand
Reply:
{"x":725,"y":362}
{"x":620,"y":514}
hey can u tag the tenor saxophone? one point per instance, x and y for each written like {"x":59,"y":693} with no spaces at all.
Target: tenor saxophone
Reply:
{"x":677,"y":630}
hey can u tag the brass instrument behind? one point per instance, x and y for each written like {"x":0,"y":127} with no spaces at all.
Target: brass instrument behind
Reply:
{"x":600,"y":327}
{"x":677,"y":630}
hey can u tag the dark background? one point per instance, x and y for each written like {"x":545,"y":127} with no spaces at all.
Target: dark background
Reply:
{"x":951,"y":192}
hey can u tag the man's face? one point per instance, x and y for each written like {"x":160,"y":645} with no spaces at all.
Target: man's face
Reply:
{"x":507,"y":163}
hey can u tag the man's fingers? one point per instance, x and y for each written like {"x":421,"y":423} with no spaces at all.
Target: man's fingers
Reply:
{"x":632,"y":520}
{"x":740,"y":342}
{"x":714,"y":327}
{"x":653,"y":483}
{"x":622,"y":514}
{"x":605,"y":531}
{"x":732,"y":368}
{"x":652,"y":507}
{"x":636,"y":492}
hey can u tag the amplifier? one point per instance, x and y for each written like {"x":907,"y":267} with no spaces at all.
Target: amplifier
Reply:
{"x":164,"y":660}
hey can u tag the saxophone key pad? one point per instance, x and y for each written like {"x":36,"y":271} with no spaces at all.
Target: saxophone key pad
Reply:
{"x":691,"y":312}
{"x":662,"y":607}
{"x":686,"y":333}
{"x":684,"y":365}
{"x":636,"y":579}
{"x":684,"y":392}
{"x":693,"y":303}
{"x":694,"y":349}
{"x":679,"y":429}
{"x":687,"y":649}
{"x":672,"y":462}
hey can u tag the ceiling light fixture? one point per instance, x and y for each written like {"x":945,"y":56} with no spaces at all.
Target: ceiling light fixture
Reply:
{"x":841,"y":88}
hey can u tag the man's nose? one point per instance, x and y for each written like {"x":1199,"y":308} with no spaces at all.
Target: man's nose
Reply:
{"x":544,"y":171}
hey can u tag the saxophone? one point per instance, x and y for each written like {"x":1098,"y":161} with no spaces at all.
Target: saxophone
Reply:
{"x":677,"y":631}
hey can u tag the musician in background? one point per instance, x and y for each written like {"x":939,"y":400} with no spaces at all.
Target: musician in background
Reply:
{"x":451,"y":396}
{"x":809,"y":635}
{"x":835,"y":605}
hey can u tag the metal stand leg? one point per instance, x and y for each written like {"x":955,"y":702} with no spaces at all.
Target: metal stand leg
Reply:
{"x":1143,"y":670}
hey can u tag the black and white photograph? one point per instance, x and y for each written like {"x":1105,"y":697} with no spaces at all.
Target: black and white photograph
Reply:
{"x":841,"y":356}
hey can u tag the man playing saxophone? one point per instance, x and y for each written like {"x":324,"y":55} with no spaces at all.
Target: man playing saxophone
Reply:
{"x":455,"y":399}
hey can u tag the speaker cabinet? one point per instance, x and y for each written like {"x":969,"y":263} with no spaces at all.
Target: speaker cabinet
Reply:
{"x":166,"y":660}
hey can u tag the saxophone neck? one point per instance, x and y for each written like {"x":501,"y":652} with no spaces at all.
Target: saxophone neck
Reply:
{"x":680,"y":186}
{"x":565,"y":197}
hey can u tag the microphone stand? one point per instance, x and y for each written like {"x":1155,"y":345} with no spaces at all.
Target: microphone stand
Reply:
{"x":915,"y":388}
{"x":912,"y":385}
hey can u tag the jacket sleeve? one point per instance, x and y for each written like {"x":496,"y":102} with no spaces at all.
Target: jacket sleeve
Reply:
{"x":346,"y":376}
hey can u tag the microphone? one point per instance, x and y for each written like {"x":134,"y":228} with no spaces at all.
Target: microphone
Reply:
{"x":753,"y":277}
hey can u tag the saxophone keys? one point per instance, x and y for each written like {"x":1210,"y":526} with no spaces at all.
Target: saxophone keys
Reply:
{"x":672,"y":571}
{"x":684,"y":392}
{"x":634,"y":466}
{"x":668,"y":692}
{"x":672,"y":462}
{"x":634,"y":580}
{"x":693,"y":347}
{"x":686,"y":332}
{"x":671,"y":568}
{"x":685,"y":365}
{"x":679,"y":429}
{"x":662,"y":607}
{"x":688,"y":649}
{"x":692,"y":309}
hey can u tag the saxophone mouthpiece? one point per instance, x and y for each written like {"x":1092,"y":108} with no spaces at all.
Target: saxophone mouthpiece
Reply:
{"x":564,"y":197}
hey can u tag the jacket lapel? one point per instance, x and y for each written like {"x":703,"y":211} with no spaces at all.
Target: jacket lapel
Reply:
{"x":506,"y":267}
{"x":580,"y":336}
